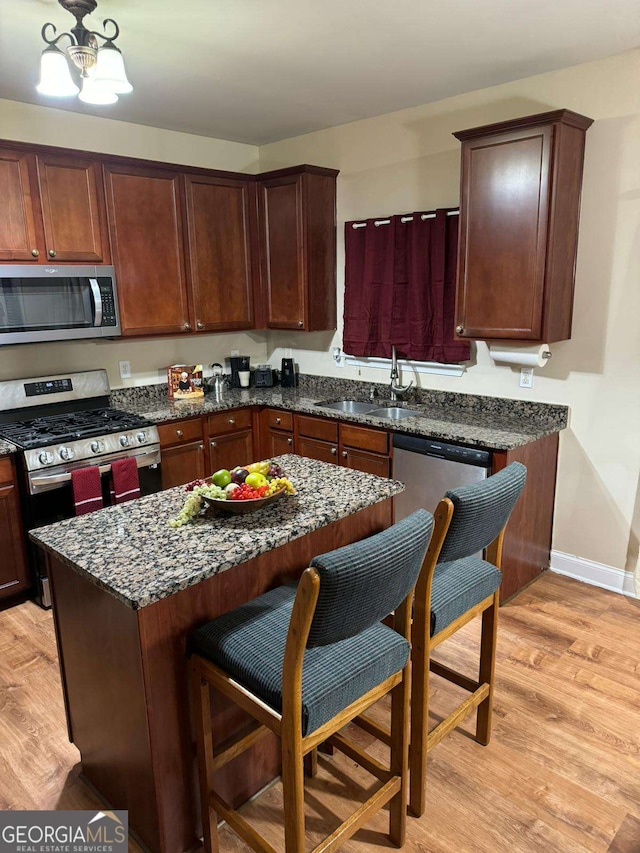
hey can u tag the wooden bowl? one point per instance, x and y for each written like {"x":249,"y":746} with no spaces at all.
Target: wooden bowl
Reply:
{"x":243,"y":507}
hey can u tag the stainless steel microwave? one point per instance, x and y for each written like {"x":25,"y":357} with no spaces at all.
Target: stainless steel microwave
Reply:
{"x":57,"y":303}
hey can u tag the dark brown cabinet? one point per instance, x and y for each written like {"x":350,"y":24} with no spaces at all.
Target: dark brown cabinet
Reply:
{"x":145,"y":214}
{"x":182,"y":464}
{"x":13,"y":565}
{"x":73,"y":209}
{"x":519,"y":209}
{"x":296,"y":209}
{"x":369,"y":463}
{"x":221,"y":230}
{"x":230,"y":450}
{"x":20,"y":236}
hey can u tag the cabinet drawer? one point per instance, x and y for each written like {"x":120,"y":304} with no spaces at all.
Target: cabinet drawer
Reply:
{"x":363,"y":438}
{"x":6,"y":470}
{"x":179,"y":432}
{"x":279,"y":420}
{"x":234,"y":419}
{"x":318,"y":428}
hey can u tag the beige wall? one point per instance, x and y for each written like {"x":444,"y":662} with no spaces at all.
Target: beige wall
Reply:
{"x":29,"y":123}
{"x":409,"y":160}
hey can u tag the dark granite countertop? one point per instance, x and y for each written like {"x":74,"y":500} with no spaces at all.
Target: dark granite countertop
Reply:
{"x":130,"y":550}
{"x":6,"y":448}
{"x":478,"y":421}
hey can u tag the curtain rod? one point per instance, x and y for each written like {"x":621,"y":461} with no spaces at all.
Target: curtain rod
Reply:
{"x":454,"y":212}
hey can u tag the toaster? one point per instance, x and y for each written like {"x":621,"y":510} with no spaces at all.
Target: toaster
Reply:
{"x":263,"y":376}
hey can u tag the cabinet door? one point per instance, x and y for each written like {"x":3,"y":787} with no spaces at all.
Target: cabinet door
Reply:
{"x":20,"y":231}
{"x":227,"y":451}
{"x":13,"y":568}
{"x":281,"y":235}
{"x":221,"y":217}
{"x":182,"y":464}
{"x":73,"y":209}
{"x":370,"y":463}
{"x":503,"y":234}
{"x":278,"y":443}
{"x":145,"y":224}
{"x":324,"y":451}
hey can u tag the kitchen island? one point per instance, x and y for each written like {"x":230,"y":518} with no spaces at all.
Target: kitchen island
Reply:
{"x":128,"y":590}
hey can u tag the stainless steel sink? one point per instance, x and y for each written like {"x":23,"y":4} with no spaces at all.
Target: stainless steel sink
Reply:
{"x":352,"y":407}
{"x":394,"y":413}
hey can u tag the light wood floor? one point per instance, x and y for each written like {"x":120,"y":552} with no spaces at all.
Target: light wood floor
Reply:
{"x":561,"y":775}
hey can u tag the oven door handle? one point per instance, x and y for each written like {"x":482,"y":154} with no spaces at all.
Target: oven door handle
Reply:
{"x":97,"y":301}
{"x":38,"y":483}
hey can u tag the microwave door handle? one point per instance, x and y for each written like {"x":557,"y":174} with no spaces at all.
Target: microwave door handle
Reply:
{"x":97,"y":301}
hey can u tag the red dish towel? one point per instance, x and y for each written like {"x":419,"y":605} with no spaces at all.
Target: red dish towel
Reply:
{"x":87,"y":490}
{"x":125,"y":485}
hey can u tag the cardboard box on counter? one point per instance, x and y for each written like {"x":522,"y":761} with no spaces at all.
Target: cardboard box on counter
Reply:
{"x":184,"y":381}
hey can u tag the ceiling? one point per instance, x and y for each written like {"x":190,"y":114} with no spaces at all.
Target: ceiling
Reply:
{"x":260,"y":70}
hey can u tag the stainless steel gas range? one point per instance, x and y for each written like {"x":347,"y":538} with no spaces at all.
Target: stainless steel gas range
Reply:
{"x":62,"y":423}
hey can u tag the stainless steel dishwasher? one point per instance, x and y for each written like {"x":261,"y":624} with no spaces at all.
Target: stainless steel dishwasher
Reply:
{"x":428,"y":468}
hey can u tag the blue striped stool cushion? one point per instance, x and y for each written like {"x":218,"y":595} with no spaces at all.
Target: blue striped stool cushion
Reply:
{"x":458,"y":586}
{"x":248,"y":643}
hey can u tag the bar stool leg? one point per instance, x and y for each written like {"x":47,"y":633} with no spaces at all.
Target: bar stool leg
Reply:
{"x":487,"y":668}
{"x":420,"y":657}
{"x":311,"y":763}
{"x":399,"y":758}
{"x":204,"y":739}
{"x":293,"y":790}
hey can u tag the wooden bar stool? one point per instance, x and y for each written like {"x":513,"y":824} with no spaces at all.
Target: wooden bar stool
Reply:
{"x":304,"y":662}
{"x":455,"y":586}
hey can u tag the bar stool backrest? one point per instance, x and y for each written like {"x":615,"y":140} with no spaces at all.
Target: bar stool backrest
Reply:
{"x":363,"y":582}
{"x":481,"y":510}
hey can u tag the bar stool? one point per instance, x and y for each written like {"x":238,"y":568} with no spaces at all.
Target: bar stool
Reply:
{"x":455,"y":586}
{"x":304,"y":662}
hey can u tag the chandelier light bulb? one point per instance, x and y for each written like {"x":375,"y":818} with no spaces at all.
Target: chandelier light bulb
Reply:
{"x":95,"y":93}
{"x":110,"y":71}
{"x":55,"y":76}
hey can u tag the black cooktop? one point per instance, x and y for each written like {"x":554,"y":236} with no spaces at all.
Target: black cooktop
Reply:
{"x":53,"y":429}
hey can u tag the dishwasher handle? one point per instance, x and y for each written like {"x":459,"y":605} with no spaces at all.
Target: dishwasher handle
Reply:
{"x":443,"y":450}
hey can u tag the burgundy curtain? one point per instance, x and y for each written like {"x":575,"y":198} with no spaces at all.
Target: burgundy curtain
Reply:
{"x":400,"y":283}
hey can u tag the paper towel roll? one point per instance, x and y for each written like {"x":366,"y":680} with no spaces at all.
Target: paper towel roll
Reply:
{"x":536,"y":355}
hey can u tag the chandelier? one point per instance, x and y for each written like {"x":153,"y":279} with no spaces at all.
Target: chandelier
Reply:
{"x":101,"y":67}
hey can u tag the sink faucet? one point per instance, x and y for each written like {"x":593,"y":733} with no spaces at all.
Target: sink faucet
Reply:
{"x":395,"y":376}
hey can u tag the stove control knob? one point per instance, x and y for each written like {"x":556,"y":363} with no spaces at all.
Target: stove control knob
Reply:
{"x":124,"y":441}
{"x":97,"y":446}
{"x":142,"y":437}
{"x":46,"y":458}
{"x":66,"y":453}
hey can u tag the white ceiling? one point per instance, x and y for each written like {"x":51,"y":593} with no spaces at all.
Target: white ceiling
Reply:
{"x":261,"y":70}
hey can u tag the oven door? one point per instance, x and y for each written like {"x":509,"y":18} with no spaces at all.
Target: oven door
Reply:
{"x":57,"y":303}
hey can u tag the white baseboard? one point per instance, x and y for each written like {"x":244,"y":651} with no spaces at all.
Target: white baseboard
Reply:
{"x":596,"y":574}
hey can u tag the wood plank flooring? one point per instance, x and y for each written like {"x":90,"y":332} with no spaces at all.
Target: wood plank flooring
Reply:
{"x":561,"y":775}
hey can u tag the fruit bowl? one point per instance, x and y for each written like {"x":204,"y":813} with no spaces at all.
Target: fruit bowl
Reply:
{"x":243,"y":507}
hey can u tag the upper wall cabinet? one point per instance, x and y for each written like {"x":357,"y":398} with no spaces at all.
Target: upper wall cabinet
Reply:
{"x":75,"y":226}
{"x":144,"y":209}
{"x":297,"y":215}
{"x":222,"y":229}
{"x":519,"y":208}
{"x":52,"y":208}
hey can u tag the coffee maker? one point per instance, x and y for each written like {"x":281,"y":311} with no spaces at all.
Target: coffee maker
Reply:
{"x":288,"y":373}
{"x":238,"y":363}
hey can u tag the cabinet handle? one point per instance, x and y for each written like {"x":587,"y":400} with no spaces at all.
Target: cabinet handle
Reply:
{"x":278,"y":420}
{"x":200,"y":324}
{"x":344,"y":454}
{"x":459,"y":330}
{"x":334,"y":451}
{"x":232,"y":421}
{"x":187,"y":327}
{"x":179,"y":433}
{"x":289,"y":441}
{"x":300,"y":324}
{"x":201,"y":447}
{"x":52,"y":253}
{"x":214,"y":443}
{"x":35,"y":253}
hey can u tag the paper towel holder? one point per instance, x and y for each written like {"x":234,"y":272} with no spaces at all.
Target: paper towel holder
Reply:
{"x":525,"y":355}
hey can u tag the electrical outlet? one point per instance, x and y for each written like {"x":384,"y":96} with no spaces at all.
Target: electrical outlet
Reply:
{"x":526,"y":377}
{"x":125,"y":370}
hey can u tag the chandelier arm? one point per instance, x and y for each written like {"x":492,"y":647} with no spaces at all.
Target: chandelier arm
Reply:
{"x":105,"y":37}
{"x":54,"y":40}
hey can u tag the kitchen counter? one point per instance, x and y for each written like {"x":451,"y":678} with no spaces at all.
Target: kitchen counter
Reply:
{"x":130,"y":550}
{"x":6,"y":448}
{"x":124,"y":670}
{"x":477,"y":421}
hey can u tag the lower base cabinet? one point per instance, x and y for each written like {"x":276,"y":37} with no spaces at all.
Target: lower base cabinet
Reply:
{"x":369,"y":463}
{"x":14,"y":577}
{"x":277,"y":443}
{"x":230,"y":450}
{"x":182,"y":464}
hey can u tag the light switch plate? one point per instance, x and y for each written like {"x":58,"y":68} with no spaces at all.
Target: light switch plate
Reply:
{"x":526,"y":377}
{"x":125,"y":370}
